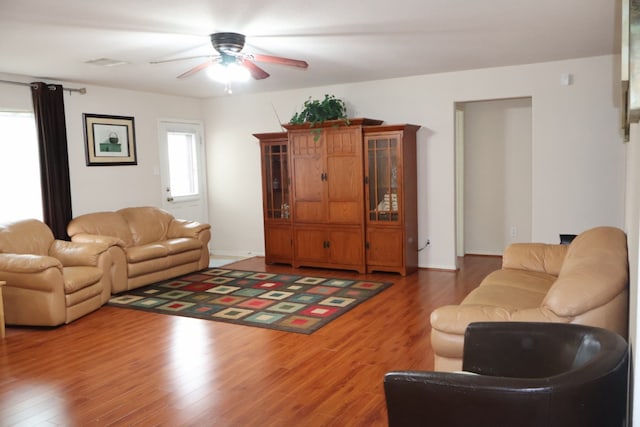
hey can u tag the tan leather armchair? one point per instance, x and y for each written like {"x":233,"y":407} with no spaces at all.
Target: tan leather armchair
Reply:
{"x":147,"y":244}
{"x":50,"y":282}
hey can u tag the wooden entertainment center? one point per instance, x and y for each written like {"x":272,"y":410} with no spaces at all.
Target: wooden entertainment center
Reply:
{"x":341,"y":195}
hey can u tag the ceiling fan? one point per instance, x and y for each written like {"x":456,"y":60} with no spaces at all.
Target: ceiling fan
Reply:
{"x":229,"y":47}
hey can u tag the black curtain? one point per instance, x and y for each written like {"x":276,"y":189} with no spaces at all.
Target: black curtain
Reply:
{"x":48,"y":108}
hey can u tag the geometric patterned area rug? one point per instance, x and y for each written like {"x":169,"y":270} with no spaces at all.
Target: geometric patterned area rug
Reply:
{"x":285,"y":302}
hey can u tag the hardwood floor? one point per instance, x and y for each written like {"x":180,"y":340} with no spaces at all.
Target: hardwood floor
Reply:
{"x":125,"y":367}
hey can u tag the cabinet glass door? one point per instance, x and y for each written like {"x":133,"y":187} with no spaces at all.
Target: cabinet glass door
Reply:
{"x":276,"y":182}
{"x":384,"y":176}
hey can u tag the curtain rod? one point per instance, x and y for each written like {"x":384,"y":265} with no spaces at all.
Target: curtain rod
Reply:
{"x":81,"y":91}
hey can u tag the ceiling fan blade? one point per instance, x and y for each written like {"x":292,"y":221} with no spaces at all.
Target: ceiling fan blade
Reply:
{"x":196,"y":69}
{"x":182,"y":59}
{"x":256,"y":72}
{"x":278,"y":60}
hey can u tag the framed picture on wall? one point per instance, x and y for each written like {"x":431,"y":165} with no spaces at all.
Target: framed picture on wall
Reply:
{"x":631,"y":56}
{"x":109,"y":140}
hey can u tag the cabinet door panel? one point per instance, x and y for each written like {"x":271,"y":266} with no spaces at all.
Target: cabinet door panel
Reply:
{"x":343,"y":141}
{"x":310,"y":244}
{"x":345,"y":212}
{"x":308,"y":186}
{"x":275,"y":179}
{"x":346,"y":246}
{"x":305,"y":211}
{"x":384,"y":172}
{"x":344,"y":178}
{"x":385,"y":247}
{"x":345,"y":183}
{"x":276,"y":194}
{"x":308,"y":189}
{"x":278,"y":244}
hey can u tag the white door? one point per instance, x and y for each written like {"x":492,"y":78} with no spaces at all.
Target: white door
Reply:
{"x":182,"y":168}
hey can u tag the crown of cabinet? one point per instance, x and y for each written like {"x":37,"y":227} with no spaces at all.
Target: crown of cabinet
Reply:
{"x":334,"y":123}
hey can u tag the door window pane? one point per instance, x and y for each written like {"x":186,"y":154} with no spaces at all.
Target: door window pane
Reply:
{"x":20,"y":190}
{"x":183,"y":165}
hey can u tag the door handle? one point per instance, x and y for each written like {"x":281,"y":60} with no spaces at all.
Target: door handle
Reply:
{"x":169,"y":199}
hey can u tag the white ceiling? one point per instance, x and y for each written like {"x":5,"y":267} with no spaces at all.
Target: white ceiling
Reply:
{"x":342,"y":40}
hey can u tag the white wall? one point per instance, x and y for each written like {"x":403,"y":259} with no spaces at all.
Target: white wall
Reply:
{"x":577,"y":155}
{"x":96,"y":188}
{"x":497,"y":174}
{"x":114,"y":187}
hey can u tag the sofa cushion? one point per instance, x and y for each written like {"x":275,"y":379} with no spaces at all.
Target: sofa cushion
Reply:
{"x":35,"y":238}
{"x":146,"y":252}
{"x":542,"y":257}
{"x":511,"y":289}
{"x":147,"y":224}
{"x":150,"y":266}
{"x":594,"y":272}
{"x":183,"y":244}
{"x":76,"y":278}
{"x":102,"y":224}
{"x":186,"y":228}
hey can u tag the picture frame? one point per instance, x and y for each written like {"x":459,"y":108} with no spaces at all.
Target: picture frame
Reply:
{"x":109,"y":140}
{"x":631,"y":57}
{"x":624,"y":70}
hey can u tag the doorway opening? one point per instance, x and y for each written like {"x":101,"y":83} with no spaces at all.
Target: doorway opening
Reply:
{"x":493,"y":175}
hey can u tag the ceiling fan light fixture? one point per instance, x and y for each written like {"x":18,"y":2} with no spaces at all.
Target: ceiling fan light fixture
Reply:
{"x":228,"y":72}
{"x":231,"y":64}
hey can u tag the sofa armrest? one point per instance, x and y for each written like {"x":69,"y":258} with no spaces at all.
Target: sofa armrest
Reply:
{"x":541,"y":257}
{"x":96,"y":238}
{"x":32,"y":272}
{"x":77,"y":254}
{"x":27,"y":264}
{"x":186,"y":228}
{"x":454,"y":319}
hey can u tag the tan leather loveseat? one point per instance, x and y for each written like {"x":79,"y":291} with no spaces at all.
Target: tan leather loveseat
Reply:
{"x":50,"y":282}
{"x":585,"y":282}
{"x":147,"y":244}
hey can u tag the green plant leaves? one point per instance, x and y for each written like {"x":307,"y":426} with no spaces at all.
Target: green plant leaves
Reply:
{"x":316,"y":111}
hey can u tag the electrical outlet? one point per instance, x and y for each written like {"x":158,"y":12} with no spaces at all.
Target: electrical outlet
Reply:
{"x":514,"y":231}
{"x":426,"y":244}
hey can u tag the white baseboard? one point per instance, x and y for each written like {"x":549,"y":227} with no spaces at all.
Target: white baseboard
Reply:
{"x":240,"y":254}
{"x":438,"y":267}
{"x":490,"y":253}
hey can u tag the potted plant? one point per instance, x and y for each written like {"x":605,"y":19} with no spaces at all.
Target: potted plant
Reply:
{"x":317,"y":111}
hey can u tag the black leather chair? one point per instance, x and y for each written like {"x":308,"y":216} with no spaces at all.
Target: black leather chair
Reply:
{"x":520,"y":374}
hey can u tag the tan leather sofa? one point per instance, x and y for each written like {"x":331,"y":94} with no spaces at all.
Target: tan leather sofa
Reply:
{"x":147,"y":244}
{"x":586,"y":282}
{"x":50,"y":282}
